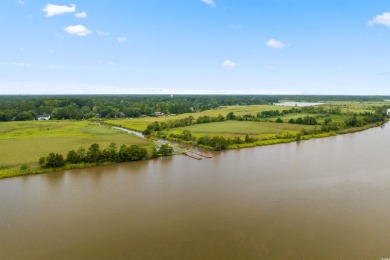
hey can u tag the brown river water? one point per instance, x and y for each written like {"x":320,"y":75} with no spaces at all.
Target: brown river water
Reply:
{"x":318,"y":199}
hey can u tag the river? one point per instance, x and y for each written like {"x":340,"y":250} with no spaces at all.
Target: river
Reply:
{"x":318,"y":199}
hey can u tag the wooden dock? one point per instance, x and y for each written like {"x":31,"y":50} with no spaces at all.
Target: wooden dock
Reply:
{"x":205,"y":155}
{"x":192,"y":155}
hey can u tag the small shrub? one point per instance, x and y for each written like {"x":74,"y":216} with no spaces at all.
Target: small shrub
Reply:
{"x":24,"y":167}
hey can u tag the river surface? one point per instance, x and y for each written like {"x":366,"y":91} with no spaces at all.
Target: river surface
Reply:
{"x":139,"y":134}
{"x":318,"y":199}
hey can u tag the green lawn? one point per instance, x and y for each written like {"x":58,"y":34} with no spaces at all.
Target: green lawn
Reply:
{"x":241,"y":128}
{"x":25,"y":142}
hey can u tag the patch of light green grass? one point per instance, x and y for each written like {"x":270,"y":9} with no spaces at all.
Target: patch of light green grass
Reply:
{"x":241,"y":128}
{"x":26,"y":142}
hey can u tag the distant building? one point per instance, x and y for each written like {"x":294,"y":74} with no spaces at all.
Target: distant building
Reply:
{"x":98,"y":115}
{"x":158,"y":114}
{"x":43,"y":117}
{"x":121,"y":115}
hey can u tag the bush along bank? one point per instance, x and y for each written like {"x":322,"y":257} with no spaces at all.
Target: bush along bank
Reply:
{"x":93,"y":156}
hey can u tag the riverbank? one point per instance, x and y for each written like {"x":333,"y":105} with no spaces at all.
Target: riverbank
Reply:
{"x":306,"y":137}
{"x":12,"y":171}
{"x":282,"y":137}
{"x":23,"y":143}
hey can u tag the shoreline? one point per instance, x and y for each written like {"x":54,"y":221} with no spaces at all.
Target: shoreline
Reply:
{"x":19,"y":172}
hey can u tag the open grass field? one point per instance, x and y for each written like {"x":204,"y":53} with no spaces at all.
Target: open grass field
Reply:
{"x":241,"y":128}
{"x":140,"y":124}
{"x":25,"y":142}
{"x":356,"y":107}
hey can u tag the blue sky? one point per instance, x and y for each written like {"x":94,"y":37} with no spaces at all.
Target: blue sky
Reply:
{"x":195,"y":46}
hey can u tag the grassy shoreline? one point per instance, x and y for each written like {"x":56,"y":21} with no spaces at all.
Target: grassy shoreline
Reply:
{"x":16,"y":171}
{"x":23,"y":143}
{"x":274,"y":141}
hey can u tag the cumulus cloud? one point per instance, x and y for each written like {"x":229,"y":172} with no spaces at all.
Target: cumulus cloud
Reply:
{"x":78,"y":30}
{"x":272,"y":43}
{"x":209,"y":2}
{"x":81,"y":15}
{"x":383,"y":19}
{"x":121,"y":39}
{"x":52,"y":10}
{"x":101,"y":33}
{"x":229,"y":64}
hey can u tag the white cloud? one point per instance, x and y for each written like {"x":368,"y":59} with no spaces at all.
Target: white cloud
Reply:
{"x":52,"y":10}
{"x":209,"y":2}
{"x":101,"y":33}
{"x":79,"y":30}
{"x":81,"y":15}
{"x":383,"y":19}
{"x":121,"y":39}
{"x":229,"y":64}
{"x":276,"y":44}
{"x":19,"y":2}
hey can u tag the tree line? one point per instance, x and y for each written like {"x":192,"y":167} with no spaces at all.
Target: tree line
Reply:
{"x":94,"y":154}
{"x":159,"y":126}
{"x":216,"y":143}
{"x":21,"y":108}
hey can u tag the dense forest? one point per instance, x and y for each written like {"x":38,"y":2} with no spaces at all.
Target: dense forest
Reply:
{"x":20,"y":108}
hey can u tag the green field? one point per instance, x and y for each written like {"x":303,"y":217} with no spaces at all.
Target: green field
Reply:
{"x":140,"y":124}
{"x":25,"y":142}
{"x":259,"y":130}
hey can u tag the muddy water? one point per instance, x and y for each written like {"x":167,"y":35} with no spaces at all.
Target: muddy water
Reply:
{"x":319,"y":199}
